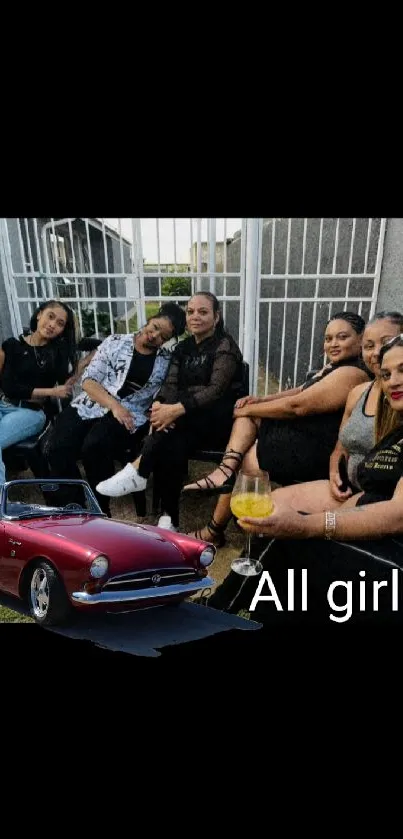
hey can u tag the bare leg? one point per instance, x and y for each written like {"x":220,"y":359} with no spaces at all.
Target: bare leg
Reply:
{"x":310,"y":497}
{"x":250,"y":462}
{"x":243,"y":434}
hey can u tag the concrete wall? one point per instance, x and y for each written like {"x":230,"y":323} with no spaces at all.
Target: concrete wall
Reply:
{"x":390,"y":294}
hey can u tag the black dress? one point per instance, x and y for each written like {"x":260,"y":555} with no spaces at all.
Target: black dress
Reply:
{"x":206,"y":378}
{"x":328,"y":561}
{"x":299,"y":449}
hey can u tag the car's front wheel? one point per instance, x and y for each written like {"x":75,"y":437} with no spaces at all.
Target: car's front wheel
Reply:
{"x":48,"y":601}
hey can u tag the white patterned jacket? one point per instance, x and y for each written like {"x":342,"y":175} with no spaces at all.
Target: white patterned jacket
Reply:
{"x":109,"y":368}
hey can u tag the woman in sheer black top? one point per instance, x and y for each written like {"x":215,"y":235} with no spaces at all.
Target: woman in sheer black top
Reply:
{"x":193,"y":409}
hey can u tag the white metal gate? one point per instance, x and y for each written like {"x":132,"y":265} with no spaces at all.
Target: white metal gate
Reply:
{"x":278,"y":280}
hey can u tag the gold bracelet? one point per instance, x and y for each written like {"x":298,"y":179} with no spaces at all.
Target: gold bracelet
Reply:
{"x":330,"y":524}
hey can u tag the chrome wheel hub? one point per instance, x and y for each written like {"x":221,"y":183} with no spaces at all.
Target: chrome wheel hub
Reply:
{"x":39,"y":593}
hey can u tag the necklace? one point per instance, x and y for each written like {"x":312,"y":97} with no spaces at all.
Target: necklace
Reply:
{"x":40,"y":362}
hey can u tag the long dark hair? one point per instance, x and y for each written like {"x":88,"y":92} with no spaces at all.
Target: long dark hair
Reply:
{"x":386,"y":419}
{"x":66,"y":341}
{"x":220,"y":327}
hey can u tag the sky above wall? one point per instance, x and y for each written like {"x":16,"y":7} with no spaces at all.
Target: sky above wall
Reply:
{"x":166,"y":236}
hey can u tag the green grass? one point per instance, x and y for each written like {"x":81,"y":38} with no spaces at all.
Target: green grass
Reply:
{"x":9,"y":616}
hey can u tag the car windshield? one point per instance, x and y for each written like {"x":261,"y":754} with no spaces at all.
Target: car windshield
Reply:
{"x":29,"y":499}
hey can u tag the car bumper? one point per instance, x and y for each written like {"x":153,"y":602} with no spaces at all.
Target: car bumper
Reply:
{"x":154,"y":593}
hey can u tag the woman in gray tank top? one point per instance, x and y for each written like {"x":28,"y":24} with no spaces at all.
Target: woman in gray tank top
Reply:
{"x":356,"y":435}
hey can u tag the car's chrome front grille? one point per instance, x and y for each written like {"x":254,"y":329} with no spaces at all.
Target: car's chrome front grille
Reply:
{"x":151,"y":577}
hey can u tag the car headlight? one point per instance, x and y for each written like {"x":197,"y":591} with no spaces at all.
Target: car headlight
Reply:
{"x":207,"y":556}
{"x":99,"y":566}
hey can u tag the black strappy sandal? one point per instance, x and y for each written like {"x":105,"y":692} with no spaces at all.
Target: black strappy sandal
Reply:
{"x":216,"y":530}
{"x":227,"y":486}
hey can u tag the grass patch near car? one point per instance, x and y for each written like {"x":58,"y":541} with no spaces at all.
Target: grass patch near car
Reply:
{"x":9,"y":616}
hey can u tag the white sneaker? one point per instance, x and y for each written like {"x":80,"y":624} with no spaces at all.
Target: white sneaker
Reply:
{"x":122,"y":483}
{"x":166,"y":523}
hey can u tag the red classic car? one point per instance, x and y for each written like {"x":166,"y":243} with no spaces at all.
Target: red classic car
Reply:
{"x":62,"y":557}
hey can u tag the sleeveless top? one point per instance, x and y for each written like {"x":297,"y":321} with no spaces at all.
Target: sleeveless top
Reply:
{"x":357,"y":436}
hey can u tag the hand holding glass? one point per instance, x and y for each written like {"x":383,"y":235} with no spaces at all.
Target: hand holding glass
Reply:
{"x":250,"y":497}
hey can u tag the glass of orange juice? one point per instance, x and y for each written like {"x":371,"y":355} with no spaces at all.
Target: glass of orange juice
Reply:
{"x":251,"y":497}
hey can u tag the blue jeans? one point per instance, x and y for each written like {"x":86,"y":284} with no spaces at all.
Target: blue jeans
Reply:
{"x":17,"y":424}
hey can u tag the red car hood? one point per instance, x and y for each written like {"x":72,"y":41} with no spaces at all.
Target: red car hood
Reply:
{"x":127,"y":546}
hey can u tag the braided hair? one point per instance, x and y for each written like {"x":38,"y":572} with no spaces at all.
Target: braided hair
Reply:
{"x":356,"y":321}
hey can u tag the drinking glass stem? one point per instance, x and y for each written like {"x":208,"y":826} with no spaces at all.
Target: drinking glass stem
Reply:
{"x":248,"y":539}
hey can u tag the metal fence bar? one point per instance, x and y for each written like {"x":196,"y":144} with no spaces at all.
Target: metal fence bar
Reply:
{"x":287,"y":265}
{"x":73,"y":256}
{"x":350,"y":259}
{"x":242,"y":282}
{"x":304,"y":246}
{"x":297,"y":344}
{"x":191,"y":255}
{"x":367,"y":245}
{"x":27,"y":275}
{"x":225,"y":266}
{"x":92,"y":271}
{"x":199,"y":256}
{"x":158,"y":255}
{"x":316,"y":291}
{"x":127,"y":319}
{"x":254,"y":372}
{"x":122,"y":261}
{"x":266,"y":383}
{"x":252,"y":280}
{"x":55,"y":250}
{"x":211,"y":238}
{"x":38,"y":246}
{"x":22,"y":250}
{"x":378,"y":266}
{"x":273,"y":236}
{"x":108,"y":279}
{"x":31,"y":261}
{"x":93,"y":275}
{"x":138,"y":263}
{"x":336,"y":245}
{"x":9,"y":282}
{"x":174,"y":231}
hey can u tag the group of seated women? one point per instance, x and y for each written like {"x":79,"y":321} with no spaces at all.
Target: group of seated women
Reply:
{"x":150,"y":400}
